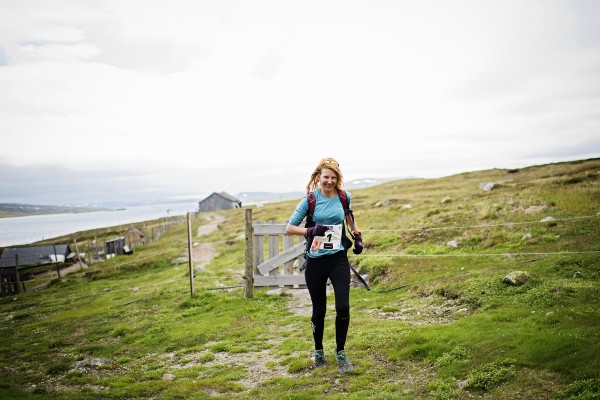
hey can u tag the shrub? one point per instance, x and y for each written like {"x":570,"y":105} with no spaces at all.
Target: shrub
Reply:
{"x":587,"y":389}
{"x":490,"y":375}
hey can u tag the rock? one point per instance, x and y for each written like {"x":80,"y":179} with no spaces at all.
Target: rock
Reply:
{"x":135,"y":289}
{"x":383,"y":203}
{"x":356,"y":283}
{"x":486,"y":187}
{"x":547,"y":219}
{"x":534,"y":209}
{"x":446,"y":200}
{"x":527,"y":236}
{"x":92,"y":362}
{"x":461,"y":384}
{"x":517,"y":278}
{"x":406,"y":207}
{"x":275,"y":292}
{"x":452,"y":243}
{"x":168,"y":377}
{"x":577,"y":275}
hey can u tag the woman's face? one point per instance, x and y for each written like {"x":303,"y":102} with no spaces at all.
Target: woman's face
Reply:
{"x":328,"y":180}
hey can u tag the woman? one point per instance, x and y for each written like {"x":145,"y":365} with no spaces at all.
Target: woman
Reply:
{"x":327,"y":258}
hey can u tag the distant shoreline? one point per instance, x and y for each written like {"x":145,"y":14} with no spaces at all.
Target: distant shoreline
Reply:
{"x":15,"y":210}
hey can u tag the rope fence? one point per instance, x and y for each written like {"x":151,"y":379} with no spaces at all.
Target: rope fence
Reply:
{"x":558,"y":253}
{"x":509,"y":224}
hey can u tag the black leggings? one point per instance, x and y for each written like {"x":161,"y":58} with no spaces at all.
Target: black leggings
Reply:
{"x":336,"y":268}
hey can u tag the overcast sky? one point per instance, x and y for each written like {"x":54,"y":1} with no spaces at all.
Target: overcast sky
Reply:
{"x":112,"y":99}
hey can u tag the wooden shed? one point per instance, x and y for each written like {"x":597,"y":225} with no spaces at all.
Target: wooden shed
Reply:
{"x":115,"y":246}
{"x":219,"y":201}
{"x":134,"y":237}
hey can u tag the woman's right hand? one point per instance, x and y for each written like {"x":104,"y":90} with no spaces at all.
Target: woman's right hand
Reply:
{"x":318,"y":230}
{"x":358,"y":244}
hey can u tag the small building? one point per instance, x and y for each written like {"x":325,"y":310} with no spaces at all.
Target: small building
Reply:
{"x":219,"y":201}
{"x":115,"y":246}
{"x":35,"y":255}
{"x":134,"y":237}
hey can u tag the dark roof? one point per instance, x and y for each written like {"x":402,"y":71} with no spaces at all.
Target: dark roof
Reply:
{"x":225,"y":196}
{"x":35,"y":255}
{"x":134,"y":230}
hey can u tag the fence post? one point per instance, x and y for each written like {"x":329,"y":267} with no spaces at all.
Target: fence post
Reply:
{"x":78,"y":256}
{"x":189,"y":233}
{"x":249,"y":267}
{"x":56,"y":258}
{"x":17,"y":277}
{"x":288,"y":267}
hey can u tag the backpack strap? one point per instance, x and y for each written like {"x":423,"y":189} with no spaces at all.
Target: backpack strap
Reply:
{"x":344,"y":199}
{"x":312,"y":202}
{"x":347,"y":211}
{"x":311,"y":209}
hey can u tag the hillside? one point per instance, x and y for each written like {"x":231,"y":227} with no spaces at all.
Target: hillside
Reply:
{"x":20,"y":210}
{"x":440,"y":323}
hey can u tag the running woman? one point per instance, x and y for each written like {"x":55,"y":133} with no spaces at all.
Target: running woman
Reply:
{"x":327,"y":258}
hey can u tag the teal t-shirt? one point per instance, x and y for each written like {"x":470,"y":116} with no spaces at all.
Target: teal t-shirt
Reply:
{"x":328,"y":211}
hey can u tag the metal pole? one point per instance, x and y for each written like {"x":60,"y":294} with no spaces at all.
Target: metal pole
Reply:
{"x":189,"y":226}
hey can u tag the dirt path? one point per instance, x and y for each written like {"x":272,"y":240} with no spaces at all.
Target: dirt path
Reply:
{"x":203,"y":253}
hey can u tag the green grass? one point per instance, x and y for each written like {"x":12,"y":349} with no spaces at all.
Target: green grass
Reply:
{"x":439,"y":324}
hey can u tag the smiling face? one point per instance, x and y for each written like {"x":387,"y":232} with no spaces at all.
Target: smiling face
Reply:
{"x":328,"y":181}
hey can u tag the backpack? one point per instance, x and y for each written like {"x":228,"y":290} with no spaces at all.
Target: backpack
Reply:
{"x":346,"y":242}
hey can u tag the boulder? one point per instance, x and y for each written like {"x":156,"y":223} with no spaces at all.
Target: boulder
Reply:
{"x":92,"y":363}
{"x":487,"y":186}
{"x":168,"y":377}
{"x":383,"y":203}
{"x":517,"y":278}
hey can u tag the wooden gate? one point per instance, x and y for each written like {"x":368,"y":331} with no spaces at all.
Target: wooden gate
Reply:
{"x":273,"y":267}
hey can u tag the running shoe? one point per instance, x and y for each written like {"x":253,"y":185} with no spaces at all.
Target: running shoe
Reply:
{"x":319,"y":356}
{"x":343,"y":363}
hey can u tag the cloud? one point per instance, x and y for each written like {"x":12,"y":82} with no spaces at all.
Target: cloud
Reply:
{"x":237,"y":95}
{"x":60,"y":185}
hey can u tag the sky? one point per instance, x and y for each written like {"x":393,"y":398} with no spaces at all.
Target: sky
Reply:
{"x":140,"y":99}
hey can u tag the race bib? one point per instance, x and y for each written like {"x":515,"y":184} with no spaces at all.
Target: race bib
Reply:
{"x":330,"y":241}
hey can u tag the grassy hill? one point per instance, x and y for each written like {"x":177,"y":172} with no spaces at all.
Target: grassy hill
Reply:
{"x":438,"y":324}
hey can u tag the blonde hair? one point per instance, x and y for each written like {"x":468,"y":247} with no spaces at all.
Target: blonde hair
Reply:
{"x":328,"y":163}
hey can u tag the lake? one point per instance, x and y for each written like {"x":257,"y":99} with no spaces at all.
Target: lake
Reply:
{"x":25,"y":230}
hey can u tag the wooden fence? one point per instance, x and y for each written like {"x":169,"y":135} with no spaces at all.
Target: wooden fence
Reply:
{"x":9,"y":281}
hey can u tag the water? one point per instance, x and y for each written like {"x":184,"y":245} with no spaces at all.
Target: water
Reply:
{"x":25,"y":230}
